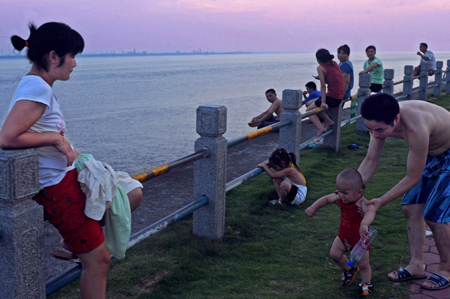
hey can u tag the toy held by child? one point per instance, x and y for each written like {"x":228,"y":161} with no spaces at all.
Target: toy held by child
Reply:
{"x":349,"y":197}
{"x":288,"y":180}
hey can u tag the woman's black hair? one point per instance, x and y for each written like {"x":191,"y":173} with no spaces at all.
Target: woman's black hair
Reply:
{"x":281,"y":155}
{"x":324,"y":56}
{"x":52,"y":36}
{"x":345,"y":49}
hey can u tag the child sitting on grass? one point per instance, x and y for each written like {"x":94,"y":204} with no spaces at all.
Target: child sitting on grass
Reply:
{"x":289,"y":182}
{"x":349,"y":197}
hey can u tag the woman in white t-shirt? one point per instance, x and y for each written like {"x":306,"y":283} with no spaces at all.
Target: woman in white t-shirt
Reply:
{"x":35,"y":120}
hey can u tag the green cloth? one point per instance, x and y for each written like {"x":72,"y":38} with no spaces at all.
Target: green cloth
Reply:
{"x":117,"y":217}
{"x":378,"y":72}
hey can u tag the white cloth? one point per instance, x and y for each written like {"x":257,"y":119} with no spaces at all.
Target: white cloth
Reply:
{"x":52,"y":163}
{"x":106,"y":194}
{"x":431,"y":62}
{"x":99,"y":183}
{"x":301,"y":193}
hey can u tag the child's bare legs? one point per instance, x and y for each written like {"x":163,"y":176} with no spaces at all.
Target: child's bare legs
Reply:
{"x":282,"y":187}
{"x":95,"y":269}
{"x":364,"y":267}
{"x":337,"y":254}
{"x":276,"y":184}
{"x":285,"y":187}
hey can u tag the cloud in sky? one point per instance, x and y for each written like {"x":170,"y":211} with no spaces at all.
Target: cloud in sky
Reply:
{"x":235,"y":25}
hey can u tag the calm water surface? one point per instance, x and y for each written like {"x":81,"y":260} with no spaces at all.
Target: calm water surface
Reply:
{"x":138,"y":112}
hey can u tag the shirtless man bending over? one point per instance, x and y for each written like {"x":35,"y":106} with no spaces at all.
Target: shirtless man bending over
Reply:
{"x":424,"y":127}
{"x":267,"y":118}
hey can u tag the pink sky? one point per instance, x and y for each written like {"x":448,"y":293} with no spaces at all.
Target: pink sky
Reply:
{"x":236,"y":25}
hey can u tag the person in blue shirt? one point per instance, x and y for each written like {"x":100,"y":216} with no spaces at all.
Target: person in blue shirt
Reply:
{"x":346,"y":69}
{"x":314,"y":94}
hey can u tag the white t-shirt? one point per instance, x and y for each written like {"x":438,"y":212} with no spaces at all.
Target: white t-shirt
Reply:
{"x":52,"y":163}
{"x":431,"y":62}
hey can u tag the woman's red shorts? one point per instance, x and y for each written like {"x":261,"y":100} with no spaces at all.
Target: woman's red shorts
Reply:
{"x":64,"y":208}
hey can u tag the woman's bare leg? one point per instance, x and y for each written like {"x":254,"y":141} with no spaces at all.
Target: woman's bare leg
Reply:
{"x":135,"y":198}
{"x":95,"y":269}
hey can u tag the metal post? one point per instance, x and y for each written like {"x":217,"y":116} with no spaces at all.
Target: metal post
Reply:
{"x":447,"y":77}
{"x":423,"y":80}
{"x":210,"y":172}
{"x":363,"y":93}
{"x":388,"y":85}
{"x":22,"y":252}
{"x":290,"y":136}
{"x":407,"y":82}
{"x":438,"y":79}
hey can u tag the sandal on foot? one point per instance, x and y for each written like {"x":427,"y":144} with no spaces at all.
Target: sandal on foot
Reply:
{"x":349,"y":276}
{"x":440,"y":281}
{"x":403,"y":274}
{"x":63,"y":255}
{"x":366,"y":289}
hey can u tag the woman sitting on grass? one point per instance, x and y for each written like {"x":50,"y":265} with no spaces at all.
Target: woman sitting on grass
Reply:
{"x":289,"y":182}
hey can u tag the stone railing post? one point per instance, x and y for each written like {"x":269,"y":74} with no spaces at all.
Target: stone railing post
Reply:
{"x":210,"y":172}
{"x":407,"y":83}
{"x":423,"y":81}
{"x":290,"y":136}
{"x":388,"y":85}
{"x":363,"y":93}
{"x":438,"y":79}
{"x":332,"y":141}
{"x":447,"y":77}
{"x":22,"y":252}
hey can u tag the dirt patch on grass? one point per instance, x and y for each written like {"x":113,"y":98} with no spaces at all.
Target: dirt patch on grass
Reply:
{"x":146,"y":284}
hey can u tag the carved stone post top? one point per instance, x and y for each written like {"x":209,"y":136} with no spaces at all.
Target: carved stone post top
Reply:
{"x":19,"y":175}
{"x":408,"y":70}
{"x":211,"y":120}
{"x":388,"y":74}
{"x":364,"y":80}
{"x":423,"y":66}
{"x":17,"y":153}
{"x":292,"y":99}
{"x":439,"y":64}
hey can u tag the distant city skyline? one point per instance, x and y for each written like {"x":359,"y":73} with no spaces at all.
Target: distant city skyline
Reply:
{"x":162,"y":26}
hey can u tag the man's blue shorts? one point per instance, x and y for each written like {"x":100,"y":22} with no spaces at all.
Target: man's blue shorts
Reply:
{"x":433,"y":190}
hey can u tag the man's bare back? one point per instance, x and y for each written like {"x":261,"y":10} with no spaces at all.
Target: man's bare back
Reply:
{"x":419,"y":118}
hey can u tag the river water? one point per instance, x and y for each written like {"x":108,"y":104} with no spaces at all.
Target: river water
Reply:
{"x":137,"y":112}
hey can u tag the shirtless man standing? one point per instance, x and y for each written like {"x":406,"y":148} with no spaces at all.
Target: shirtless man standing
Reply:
{"x":424,"y":127}
{"x":267,"y":118}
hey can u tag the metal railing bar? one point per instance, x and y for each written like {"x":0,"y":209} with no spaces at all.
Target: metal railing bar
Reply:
{"x":243,"y":178}
{"x":161,"y":169}
{"x":166,"y":221}
{"x":257,"y":133}
{"x":312,"y":112}
{"x":305,"y":144}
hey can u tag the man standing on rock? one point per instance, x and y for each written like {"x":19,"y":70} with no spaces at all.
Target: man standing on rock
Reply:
{"x":426,"y":185}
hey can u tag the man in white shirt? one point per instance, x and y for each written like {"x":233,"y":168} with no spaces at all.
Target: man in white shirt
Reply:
{"x":427,"y":56}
